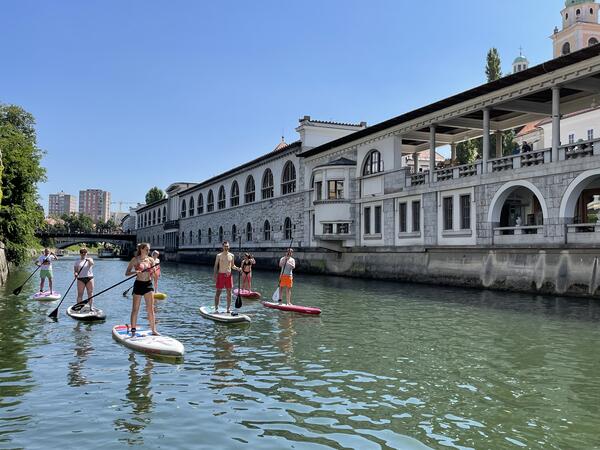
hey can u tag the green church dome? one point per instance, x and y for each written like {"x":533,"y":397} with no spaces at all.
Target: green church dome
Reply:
{"x":520,"y":59}
{"x":577,"y":2}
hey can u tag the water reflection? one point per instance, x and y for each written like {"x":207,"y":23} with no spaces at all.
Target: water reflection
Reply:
{"x":285,"y":341}
{"x":82,"y":349}
{"x":138,"y":397}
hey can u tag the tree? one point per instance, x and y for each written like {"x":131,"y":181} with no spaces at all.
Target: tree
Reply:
{"x":19,"y":212}
{"x":493,"y":69}
{"x":467,"y":151}
{"x":154,"y":195}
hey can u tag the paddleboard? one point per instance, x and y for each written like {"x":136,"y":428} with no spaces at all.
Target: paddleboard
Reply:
{"x":222,"y":316}
{"x":144,"y":341}
{"x":245,"y":293}
{"x":85,"y":313}
{"x":160,"y":296}
{"x":293,"y":308}
{"x":46,"y":296}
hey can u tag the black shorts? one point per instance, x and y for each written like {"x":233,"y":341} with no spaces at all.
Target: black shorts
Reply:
{"x":142,"y":287}
{"x":85,"y":280}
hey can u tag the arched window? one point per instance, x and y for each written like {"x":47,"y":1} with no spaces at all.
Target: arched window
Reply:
{"x":592,"y":41}
{"x":234,"y":236}
{"x":288,"y":180}
{"x":221,"y":238}
{"x":199,"y":236}
{"x":192,"y":207}
{"x":267,"y":231}
{"x":183,"y":208}
{"x":191,"y":237}
{"x":200,"y":204}
{"x":210,"y":201}
{"x":249,"y":193}
{"x":287,"y":228}
{"x":566,"y":48}
{"x":154,"y":217}
{"x":210,"y":235}
{"x":145,"y":219}
{"x":164,"y":213}
{"x":248,"y":232}
{"x":182,"y":238}
{"x":159,"y":219}
{"x":267,"y":184}
{"x":373,"y":163}
{"x":578,"y":12}
{"x":221,"y":203}
{"x":235,"y":194}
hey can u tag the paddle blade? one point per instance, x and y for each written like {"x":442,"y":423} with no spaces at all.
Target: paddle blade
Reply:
{"x":238,"y":302}
{"x":18,"y":290}
{"x":126,"y":292}
{"x":275,"y":296}
{"x":54,"y":314}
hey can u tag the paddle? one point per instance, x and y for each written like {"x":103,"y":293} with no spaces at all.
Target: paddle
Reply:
{"x":126,"y":293}
{"x":18,"y":290}
{"x":238,"y":300}
{"x":86,"y":301}
{"x":54,"y":314}
{"x":275,"y":296}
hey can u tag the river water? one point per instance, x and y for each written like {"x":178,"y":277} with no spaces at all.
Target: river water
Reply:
{"x":387,"y":365}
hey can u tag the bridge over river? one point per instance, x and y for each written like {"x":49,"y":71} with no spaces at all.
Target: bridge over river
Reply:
{"x":65,"y":239}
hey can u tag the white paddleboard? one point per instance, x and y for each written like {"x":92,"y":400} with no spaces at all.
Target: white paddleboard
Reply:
{"x":86,"y":314}
{"x":144,"y":341}
{"x":46,"y":296}
{"x":222,"y":316}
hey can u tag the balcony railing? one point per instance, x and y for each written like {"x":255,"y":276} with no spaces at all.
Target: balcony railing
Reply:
{"x":454,"y":172}
{"x":418,"y":178}
{"x":528,"y":229}
{"x":579,"y":150}
{"x":171,"y":225}
{"x":519,"y":160}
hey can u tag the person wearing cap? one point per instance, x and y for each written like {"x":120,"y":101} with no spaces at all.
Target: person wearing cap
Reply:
{"x":286,"y":279}
{"x":246,"y":266}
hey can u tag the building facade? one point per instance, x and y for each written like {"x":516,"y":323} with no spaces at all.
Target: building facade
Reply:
{"x":61,"y":203}
{"x":95,"y":203}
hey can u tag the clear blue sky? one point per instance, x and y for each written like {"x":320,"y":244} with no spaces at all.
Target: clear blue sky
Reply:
{"x":131,"y":94}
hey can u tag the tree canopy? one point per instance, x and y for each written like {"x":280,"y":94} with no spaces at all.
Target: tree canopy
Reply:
{"x":493,"y":70}
{"x":20,"y":215}
{"x":154,"y":195}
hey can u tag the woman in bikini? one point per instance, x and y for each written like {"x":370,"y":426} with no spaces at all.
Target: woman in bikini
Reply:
{"x":82,"y":270}
{"x":246,"y":265}
{"x":141,"y":265}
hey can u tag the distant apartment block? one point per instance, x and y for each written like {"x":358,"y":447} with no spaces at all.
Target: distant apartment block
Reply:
{"x":95,"y":203}
{"x":61,"y":203}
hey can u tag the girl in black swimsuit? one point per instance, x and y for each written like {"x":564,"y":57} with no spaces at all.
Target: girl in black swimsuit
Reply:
{"x":140,"y":265}
{"x":246,"y":266}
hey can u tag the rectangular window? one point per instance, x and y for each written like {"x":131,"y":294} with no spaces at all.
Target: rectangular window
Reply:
{"x":590,"y":135}
{"x":447,"y":211}
{"x":318,"y":190}
{"x":367,"y":219}
{"x":465,"y":212}
{"x":313,"y":225}
{"x":377,"y":214}
{"x":327,"y":228}
{"x":402,"y":219}
{"x":571,"y":139}
{"x":335,"y":189}
{"x":416,"y":216}
{"x":342,"y":228}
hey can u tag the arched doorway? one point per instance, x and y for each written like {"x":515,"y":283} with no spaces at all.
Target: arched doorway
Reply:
{"x":517,"y":207}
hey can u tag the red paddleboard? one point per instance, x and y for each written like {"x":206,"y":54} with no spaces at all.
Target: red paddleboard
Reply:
{"x":293,"y":308}
{"x":245,"y":293}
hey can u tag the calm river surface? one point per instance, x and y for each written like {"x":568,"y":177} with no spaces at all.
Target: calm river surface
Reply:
{"x":386,"y":365}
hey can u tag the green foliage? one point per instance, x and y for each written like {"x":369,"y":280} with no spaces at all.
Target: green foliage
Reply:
{"x":467,"y":151}
{"x":20,"y":215}
{"x":493,"y":69}
{"x":107,"y":227}
{"x":77,"y":223}
{"x":154,"y":195}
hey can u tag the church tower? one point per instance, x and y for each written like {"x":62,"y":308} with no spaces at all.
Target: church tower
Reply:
{"x":580,"y":27}
{"x":520,"y":63}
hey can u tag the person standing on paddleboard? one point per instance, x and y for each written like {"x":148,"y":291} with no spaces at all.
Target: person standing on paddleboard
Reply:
{"x":155,"y":272}
{"x":45,"y":261}
{"x":286,"y":279}
{"x":224,"y":264}
{"x":141,"y":265}
{"x":82,"y":270}
{"x":246,"y":266}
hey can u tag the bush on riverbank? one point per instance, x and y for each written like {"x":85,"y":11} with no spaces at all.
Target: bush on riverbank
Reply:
{"x":20,"y":213}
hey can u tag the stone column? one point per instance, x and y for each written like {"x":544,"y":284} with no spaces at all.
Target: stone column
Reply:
{"x":555,"y":122}
{"x":486,"y":139}
{"x":398,"y":152}
{"x":416,"y":162}
{"x":498,"y":135}
{"x":453,"y":152}
{"x":431,"y":152}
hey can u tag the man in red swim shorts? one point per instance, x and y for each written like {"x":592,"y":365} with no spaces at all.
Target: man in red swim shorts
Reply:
{"x":224,"y":264}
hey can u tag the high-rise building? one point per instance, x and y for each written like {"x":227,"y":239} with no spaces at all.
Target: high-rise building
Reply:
{"x":95,"y":203}
{"x":61,"y":203}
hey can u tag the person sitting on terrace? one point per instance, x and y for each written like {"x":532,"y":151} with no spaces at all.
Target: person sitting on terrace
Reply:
{"x":525,"y":147}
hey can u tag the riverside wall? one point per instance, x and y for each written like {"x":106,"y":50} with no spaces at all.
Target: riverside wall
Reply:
{"x":551,"y":271}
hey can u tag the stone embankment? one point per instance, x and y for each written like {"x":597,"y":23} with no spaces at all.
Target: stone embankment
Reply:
{"x":571,"y":272}
{"x":3,"y":265}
